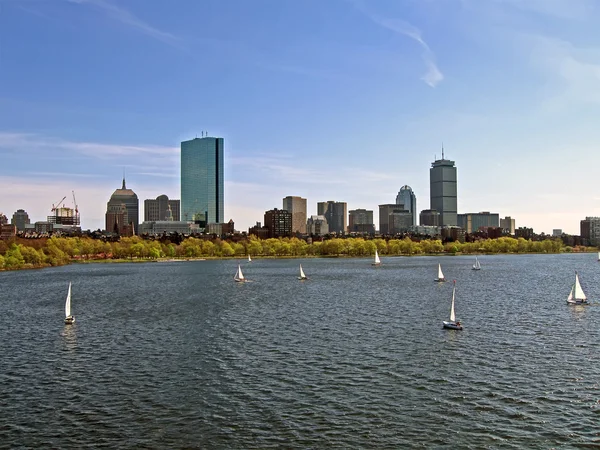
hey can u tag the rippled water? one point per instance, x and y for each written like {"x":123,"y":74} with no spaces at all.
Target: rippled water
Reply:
{"x":178,"y":355}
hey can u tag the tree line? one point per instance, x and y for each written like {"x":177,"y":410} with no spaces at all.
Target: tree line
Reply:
{"x":55,"y":251}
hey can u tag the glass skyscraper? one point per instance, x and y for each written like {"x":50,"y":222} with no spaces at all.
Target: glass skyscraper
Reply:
{"x":202,"y":180}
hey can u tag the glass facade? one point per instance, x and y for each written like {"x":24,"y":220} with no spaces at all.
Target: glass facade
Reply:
{"x":202,"y":180}
{"x":442,"y":191}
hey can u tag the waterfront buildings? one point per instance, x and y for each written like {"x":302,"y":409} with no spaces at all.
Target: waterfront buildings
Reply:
{"x":407,"y":197}
{"x":20,"y":218}
{"x":297,"y":207}
{"x":202,"y":192}
{"x":122,"y":212}
{"x":317,"y":226}
{"x":472,"y":222}
{"x":443,"y":191}
{"x":590,"y":230}
{"x":335,"y":213}
{"x":429,"y":218}
{"x":160,"y":227}
{"x":361,"y":221}
{"x":508,"y":225}
{"x":161,"y":209}
{"x":278,"y":222}
{"x":394,"y":219}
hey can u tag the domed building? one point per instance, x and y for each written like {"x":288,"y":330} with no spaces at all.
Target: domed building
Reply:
{"x":122,"y":212}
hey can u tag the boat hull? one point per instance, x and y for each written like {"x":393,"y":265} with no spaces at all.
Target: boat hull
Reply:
{"x":452,"y":326}
{"x":577,"y":302}
{"x":440,"y":280}
{"x":303,"y":278}
{"x":69,"y":320}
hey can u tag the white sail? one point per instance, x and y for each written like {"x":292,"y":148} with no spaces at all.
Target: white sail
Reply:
{"x":570,"y":297}
{"x":68,"y":302}
{"x":239,"y":276}
{"x":377,"y":260}
{"x":578,"y":293}
{"x":440,"y":273}
{"x":476,"y":266}
{"x":598,"y":256}
{"x":249,"y":259}
{"x":452,"y":316}
{"x":302,"y":276}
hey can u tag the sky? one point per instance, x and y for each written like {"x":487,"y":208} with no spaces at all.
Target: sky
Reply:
{"x":344,"y":100}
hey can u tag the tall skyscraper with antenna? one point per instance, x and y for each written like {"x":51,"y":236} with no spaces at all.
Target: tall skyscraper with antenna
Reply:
{"x":443,"y":190}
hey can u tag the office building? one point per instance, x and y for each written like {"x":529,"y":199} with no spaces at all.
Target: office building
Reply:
{"x":508,"y":225}
{"x":590,"y":230}
{"x":20,"y":218}
{"x":443,"y":191}
{"x":202,"y":192}
{"x":162,"y":209}
{"x":429,"y":218}
{"x":335,"y":213}
{"x":122,"y":212}
{"x":361,"y":221}
{"x":297,"y":207}
{"x":317,"y":226}
{"x":473,"y":222}
{"x":394,"y":219}
{"x":407,"y":197}
{"x":278,"y":222}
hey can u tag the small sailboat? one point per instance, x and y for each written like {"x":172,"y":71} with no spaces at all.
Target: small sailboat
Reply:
{"x":249,"y":259}
{"x":476,"y":266}
{"x":453,"y":324}
{"x":440,"y":278}
{"x":598,"y":256}
{"x":69,"y":319}
{"x":239,"y":276}
{"x":576,"y":296}
{"x":302,"y":274}
{"x":377,"y":261}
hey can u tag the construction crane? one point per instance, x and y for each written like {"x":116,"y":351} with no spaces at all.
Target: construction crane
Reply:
{"x":58,"y":204}
{"x":75,"y":203}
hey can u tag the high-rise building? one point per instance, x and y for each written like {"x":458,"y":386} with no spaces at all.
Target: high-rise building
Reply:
{"x":590,"y":230}
{"x":202,"y":191}
{"x":472,"y":222}
{"x":122,"y":211}
{"x":19,"y":219}
{"x":394,"y":219}
{"x":335,"y":213}
{"x":407,"y":197}
{"x":161,"y":209}
{"x":508,"y":224}
{"x":361,"y":221}
{"x":297,"y":207}
{"x":279,"y":223}
{"x":442,"y":190}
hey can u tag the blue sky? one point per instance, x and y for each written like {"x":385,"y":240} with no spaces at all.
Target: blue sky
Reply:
{"x":344,"y":100}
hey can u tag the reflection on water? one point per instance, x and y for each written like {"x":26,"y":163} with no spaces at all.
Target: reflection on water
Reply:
{"x":178,"y":355}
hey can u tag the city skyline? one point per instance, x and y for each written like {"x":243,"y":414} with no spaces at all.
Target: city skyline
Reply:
{"x":322,"y":108}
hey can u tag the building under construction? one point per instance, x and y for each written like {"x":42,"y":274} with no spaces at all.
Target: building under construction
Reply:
{"x":64,"y":215}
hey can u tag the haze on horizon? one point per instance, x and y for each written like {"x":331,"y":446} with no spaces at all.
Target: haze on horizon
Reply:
{"x":344,"y":100}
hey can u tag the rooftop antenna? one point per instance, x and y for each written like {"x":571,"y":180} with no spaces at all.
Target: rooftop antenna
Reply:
{"x":442,"y":150}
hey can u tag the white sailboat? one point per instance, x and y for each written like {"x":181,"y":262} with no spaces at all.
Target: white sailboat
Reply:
{"x":69,"y":319}
{"x":598,"y":256}
{"x":476,"y":266}
{"x":377,"y":261}
{"x":239,"y":276}
{"x":302,"y":274}
{"x":576,"y":296}
{"x":249,"y":259}
{"x":440,"y":277}
{"x":453,"y":324}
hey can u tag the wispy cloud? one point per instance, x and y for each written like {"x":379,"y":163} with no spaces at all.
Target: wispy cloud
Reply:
{"x":127,"y":18}
{"x":433,"y":76}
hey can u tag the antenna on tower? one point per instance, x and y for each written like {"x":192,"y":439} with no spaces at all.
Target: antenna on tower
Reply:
{"x":442,"y":150}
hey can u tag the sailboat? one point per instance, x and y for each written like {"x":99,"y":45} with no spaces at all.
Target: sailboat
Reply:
{"x":377,"y":261}
{"x":576,"y":296}
{"x":476,"y":266}
{"x":69,"y":319}
{"x":598,"y":256}
{"x":453,"y":324}
{"x":239,"y":276}
{"x":302,"y":275}
{"x":249,"y":259}
{"x":440,"y":278}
